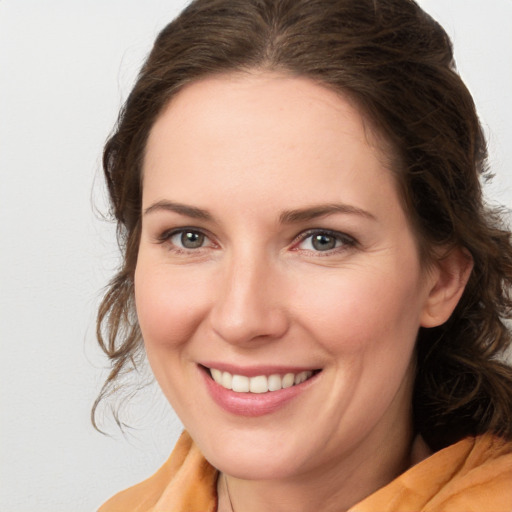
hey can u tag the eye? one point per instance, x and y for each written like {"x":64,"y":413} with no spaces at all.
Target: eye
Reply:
{"x":185,"y":239}
{"x":324,"y":241}
{"x":188,"y":239}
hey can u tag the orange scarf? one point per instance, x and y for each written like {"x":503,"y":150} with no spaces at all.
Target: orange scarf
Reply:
{"x":474,"y":475}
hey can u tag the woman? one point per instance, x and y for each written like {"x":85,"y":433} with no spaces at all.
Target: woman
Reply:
{"x":308,"y":263}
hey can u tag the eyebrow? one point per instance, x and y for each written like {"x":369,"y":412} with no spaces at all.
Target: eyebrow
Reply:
{"x":314,"y":212}
{"x":286,"y":217}
{"x":182,"y":209}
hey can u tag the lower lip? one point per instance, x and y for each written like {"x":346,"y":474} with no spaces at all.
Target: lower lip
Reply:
{"x":253,"y":404}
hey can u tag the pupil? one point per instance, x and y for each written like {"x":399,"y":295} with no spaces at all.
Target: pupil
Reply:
{"x":192,"y":240}
{"x":324,"y":242}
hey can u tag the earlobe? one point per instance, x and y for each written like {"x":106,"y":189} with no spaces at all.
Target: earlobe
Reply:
{"x":449,"y":279}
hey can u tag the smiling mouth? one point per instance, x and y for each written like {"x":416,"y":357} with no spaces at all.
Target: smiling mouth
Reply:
{"x":259,"y":383}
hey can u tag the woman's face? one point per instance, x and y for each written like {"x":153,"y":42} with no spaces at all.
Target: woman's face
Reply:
{"x":274,"y":243}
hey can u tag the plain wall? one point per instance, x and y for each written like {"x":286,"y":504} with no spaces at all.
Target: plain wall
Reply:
{"x":65,"y":68}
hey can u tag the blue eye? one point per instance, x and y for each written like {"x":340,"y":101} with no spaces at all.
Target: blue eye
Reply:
{"x":323,"y":241}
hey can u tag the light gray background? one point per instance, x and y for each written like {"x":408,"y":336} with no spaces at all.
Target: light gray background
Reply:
{"x":65,"y":67}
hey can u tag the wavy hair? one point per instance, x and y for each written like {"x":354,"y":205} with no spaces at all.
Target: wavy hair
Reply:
{"x":397,"y":64}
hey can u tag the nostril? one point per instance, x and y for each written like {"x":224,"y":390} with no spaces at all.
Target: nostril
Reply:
{"x":239,"y":327}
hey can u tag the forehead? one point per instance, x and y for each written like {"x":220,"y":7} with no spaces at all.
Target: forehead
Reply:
{"x":255,"y":131}
{"x":256,"y":94}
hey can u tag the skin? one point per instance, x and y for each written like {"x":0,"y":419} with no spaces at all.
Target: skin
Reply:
{"x":246,"y":148}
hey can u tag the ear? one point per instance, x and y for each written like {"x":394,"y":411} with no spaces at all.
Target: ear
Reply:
{"x":447,"y":281}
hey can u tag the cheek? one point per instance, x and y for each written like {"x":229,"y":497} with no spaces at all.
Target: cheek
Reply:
{"x":364,"y":309}
{"x":169,"y":306}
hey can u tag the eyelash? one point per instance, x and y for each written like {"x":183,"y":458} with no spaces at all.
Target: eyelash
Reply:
{"x":166,"y":237}
{"x":345,"y":241}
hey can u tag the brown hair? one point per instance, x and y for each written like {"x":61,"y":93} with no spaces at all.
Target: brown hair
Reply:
{"x":396,"y":62}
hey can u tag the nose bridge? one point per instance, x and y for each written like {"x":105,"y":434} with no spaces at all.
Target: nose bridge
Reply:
{"x":248,"y":305}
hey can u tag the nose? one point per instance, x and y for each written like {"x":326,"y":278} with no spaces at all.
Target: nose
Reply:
{"x":248,"y":306}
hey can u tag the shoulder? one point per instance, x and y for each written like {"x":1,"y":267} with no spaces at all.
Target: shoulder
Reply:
{"x":473,"y":475}
{"x":186,"y":482}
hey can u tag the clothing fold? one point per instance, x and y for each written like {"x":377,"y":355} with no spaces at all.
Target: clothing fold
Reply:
{"x":473,"y":475}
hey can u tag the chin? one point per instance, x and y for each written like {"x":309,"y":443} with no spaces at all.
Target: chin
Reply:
{"x":255,"y":467}
{"x":252,"y":456}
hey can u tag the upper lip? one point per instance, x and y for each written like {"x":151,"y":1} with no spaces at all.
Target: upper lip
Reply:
{"x":255,"y":370}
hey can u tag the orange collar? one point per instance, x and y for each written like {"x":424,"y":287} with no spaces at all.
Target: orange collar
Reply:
{"x":474,"y":474}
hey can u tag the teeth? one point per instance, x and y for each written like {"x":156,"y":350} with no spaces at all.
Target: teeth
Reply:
{"x":240,"y":383}
{"x":275,"y":383}
{"x":227,"y":380}
{"x":260,"y":383}
{"x":217,"y":375}
{"x":288,"y":380}
{"x":301,"y":377}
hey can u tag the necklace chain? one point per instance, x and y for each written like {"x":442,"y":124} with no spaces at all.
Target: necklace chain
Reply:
{"x":228,"y":493}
